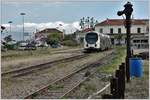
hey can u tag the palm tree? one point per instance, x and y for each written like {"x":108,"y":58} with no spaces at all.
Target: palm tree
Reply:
{"x":92,"y":22}
{"x":80,"y":23}
{"x":88,"y":21}
{"x":96,"y":22}
{"x":83,"y":22}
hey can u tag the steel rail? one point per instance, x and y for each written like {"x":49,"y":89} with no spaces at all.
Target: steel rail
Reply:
{"x":82,"y":68}
{"x":30,"y":69}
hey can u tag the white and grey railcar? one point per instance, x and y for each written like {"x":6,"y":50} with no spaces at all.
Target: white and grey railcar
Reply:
{"x":96,"y":41}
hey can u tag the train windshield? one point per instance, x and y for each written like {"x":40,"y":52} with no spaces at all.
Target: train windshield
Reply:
{"x":91,"y":38}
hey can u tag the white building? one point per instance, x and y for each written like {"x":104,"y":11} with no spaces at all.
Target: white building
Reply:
{"x":81,"y":34}
{"x":115,"y":28}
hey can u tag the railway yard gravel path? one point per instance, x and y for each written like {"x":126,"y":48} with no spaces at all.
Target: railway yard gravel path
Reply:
{"x":8,"y":65}
{"x":19,"y":87}
{"x":62,"y":88}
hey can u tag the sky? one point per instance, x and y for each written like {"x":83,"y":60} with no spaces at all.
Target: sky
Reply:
{"x":42,"y":14}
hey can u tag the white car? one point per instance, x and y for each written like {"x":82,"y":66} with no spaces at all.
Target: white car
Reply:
{"x":22,"y":46}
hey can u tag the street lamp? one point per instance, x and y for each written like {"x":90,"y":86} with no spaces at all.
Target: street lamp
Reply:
{"x":127,"y":11}
{"x":23,"y":23}
{"x":10,"y":22}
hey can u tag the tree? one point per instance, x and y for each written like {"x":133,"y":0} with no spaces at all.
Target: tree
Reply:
{"x":92,"y":22}
{"x":2,"y":29}
{"x":81,"y":23}
{"x":8,"y":38}
{"x":69,"y":37}
{"x":96,"y":22}
{"x":53,"y":38}
{"x":89,"y":22}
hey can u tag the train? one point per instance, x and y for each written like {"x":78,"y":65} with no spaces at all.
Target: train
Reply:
{"x":96,"y":41}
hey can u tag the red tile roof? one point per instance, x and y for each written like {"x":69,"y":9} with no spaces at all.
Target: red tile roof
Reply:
{"x":121,"y":22}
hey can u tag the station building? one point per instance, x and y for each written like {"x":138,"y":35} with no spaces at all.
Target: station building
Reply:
{"x":115,"y":28}
{"x":41,"y":36}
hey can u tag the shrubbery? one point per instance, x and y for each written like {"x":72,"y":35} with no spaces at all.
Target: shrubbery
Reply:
{"x":70,"y":43}
{"x":56,"y":39}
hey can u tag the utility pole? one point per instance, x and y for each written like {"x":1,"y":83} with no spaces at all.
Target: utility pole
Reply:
{"x":23,"y":23}
{"x":10,"y":22}
{"x":127,"y":11}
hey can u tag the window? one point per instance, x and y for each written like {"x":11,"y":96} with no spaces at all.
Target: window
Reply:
{"x":138,"y":30}
{"x":111,"y":30}
{"x":119,"y":30}
{"x":134,"y":41}
{"x":101,"y":30}
{"x":144,"y":41}
{"x":91,"y":38}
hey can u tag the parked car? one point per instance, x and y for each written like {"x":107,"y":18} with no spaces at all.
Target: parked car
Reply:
{"x":22,"y":46}
{"x":30,"y":46}
{"x":144,"y":55}
{"x":26,"y":46}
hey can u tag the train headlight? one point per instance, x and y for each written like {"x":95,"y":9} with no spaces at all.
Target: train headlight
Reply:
{"x":87,"y":45}
{"x":95,"y":45}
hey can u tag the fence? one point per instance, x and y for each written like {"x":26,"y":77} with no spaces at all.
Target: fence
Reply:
{"x":117,"y":84}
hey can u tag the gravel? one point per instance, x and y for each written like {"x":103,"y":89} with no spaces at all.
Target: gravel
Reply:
{"x":17,"y":88}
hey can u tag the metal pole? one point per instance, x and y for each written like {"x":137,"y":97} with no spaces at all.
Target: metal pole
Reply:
{"x":127,"y":11}
{"x":22,"y":23}
{"x":23,"y":26}
{"x":10,"y":26}
{"x":128,"y":25}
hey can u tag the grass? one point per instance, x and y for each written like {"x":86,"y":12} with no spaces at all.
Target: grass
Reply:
{"x":138,"y":88}
{"x":145,"y":69}
{"x":55,"y":87}
{"x":15,"y":54}
{"x":34,"y":95}
{"x":118,"y":58}
{"x":21,"y":54}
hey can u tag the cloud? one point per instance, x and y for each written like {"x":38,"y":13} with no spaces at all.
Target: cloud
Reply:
{"x":6,"y":25}
{"x":31,"y":27}
{"x":35,"y":1}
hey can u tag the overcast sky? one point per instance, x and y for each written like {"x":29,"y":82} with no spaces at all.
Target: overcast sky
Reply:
{"x":50,"y":13}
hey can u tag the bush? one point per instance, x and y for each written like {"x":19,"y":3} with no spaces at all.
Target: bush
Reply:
{"x":53,"y":41}
{"x":69,"y":43}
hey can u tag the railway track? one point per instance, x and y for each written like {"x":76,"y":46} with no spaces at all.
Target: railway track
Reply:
{"x":31,"y":69}
{"x":68,"y":51}
{"x":62,"y":87}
